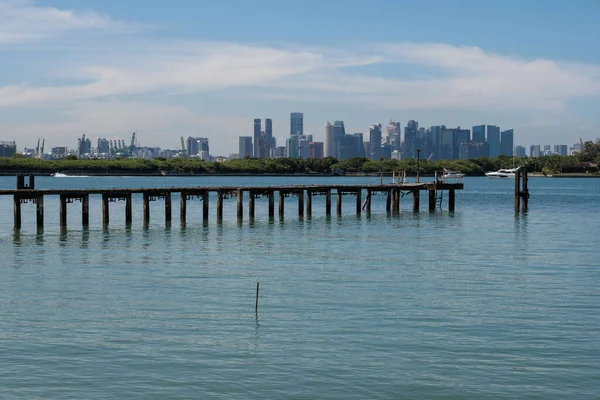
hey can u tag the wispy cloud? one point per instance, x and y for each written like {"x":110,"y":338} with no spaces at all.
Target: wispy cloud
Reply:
{"x":23,"y":21}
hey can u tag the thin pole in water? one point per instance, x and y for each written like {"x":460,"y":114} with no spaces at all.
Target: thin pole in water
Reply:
{"x":256,"y":305}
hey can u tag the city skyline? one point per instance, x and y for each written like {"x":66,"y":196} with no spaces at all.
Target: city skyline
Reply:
{"x":107,"y":69}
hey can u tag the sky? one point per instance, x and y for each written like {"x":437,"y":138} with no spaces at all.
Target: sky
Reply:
{"x":167,"y":69}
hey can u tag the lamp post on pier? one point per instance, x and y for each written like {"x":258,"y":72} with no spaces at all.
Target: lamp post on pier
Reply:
{"x":418,"y":159}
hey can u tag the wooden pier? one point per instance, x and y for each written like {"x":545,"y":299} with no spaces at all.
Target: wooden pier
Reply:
{"x":304,"y":193}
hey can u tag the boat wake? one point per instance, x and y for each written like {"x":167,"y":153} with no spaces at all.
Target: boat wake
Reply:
{"x":61,"y":175}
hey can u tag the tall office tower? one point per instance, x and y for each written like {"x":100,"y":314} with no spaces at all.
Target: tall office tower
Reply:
{"x":534,"y":150}
{"x":561,"y":149}
{"x":479,"y":133}
{"x":257,"y":138}
{"x":410,"y":139}
{"x":547,"y":151}
{"x":375,"y":141}
{"x":434,"y":137}
{"x":520,"y":151}
{"x":245,"y":149}
{"x":493,"y":140}
{"x":268,"y":138}
{"x":103,"y":146}
{"x":7,"y":149}
{"x":84,"y":146}
{"x":329,"y":143}
{"x":196,"y":144}
{"x":296,"y":123}
{"x":393,"y":132}
{"x":338,"y":132}
{"x":506,"y":142}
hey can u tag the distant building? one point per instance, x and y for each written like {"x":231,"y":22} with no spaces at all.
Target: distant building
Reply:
{"x":434,"y":137}
{"x":329,"y":142}
{"x":257,"y":137}
{"x":351,"y":146}
{"x":375,"y":142}
{"x":561,"y":149}
{"x":520,"y":151}
{"x":316,"y":150}
{"x":197,"y":144}
{"x":410,"y":139}
{"x":296,"y":123}
{"x":506,"y":142}
{"x":59,"y":151}
{"x":103,"y":145}
{"x":7,"y":149}
{"x":472,"y":149}
{"x":245,"y":146}
{"x":84,"y":146}
{"x":534,"y":150}
{"x":478,"y":134}
{"x":393,"y":135}
{"x":493,"y":140}
{"x":268,"y":138}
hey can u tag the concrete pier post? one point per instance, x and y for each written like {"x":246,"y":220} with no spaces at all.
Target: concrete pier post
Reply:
{"x":39,"y":215}
{"x":451,"y":199}
{"x":525,"y":191}
{"x":219,"y":205}
{"x":251,"y":201}
{"x":240,"y":204}
{"x":168,"y":214}
{"x":396,"y":201}
{"x":128,"y":209}
{"x":358,"y":201}
{"x":416,"y":200}
{"x":63,"y":210}
{"x":281,"y":204}
{"x":388,"y":201}
{"x":105,"y":209}
{"x":309,"y":203}
{"x":368,"y":201}
{"x":183,"y":208}
{"x":431,"y":200}
{"x":17,"y":210}
{"x":85,"y":210}
{"x":301,"y":203}
{"x":271,"y":197}
{"x":205,"y":206}
{"x":338,"y":204}
{"x":146,"y":208}
{"x":517,"y":189}
{"x":328,"y":202}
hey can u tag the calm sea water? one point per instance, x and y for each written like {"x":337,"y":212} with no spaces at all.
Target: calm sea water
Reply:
{"x":480,"y":303}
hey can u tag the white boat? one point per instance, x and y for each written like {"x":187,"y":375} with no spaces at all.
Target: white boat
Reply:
{"x":452,"y":174}
{"x":503,"y":173}
{"x":62,"y":175}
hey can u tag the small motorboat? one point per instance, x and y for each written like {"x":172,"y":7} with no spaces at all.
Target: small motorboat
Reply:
{"x":452,"y":174}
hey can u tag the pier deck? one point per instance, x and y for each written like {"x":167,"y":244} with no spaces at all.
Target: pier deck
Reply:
{"x":305,"y":193}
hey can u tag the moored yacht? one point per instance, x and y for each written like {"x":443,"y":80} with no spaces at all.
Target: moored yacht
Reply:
{"x":503,"y":173}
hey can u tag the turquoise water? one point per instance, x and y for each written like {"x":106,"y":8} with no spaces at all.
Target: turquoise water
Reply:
{"x":480,"y":303}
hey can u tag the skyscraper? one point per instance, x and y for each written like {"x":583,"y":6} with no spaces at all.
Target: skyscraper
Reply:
{"x":479,"y":133}
{"x":329,"y":143}
{"x":393,"y":132}
{"x":257,"y":138}
{"x":375,"y":141}
{"x":268,"y":139}
{"x":506,"y":143}
{"x":296,"y":123}
{"x":561,"y":149}
{"x":245,"y":149}
{"x":410,"y":139}
{"x":493,"y":140}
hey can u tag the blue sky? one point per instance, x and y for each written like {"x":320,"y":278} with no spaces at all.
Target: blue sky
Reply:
{"x":183,"y":67}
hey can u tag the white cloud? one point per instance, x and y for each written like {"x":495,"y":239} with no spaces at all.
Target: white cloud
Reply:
{"x":23,"y":21}
{"x":109,"y":85}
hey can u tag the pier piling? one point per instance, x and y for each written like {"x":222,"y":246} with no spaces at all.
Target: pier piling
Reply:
{"x":240,"y":204}
{"x":416,"y":200}
{"x":63,"y":210}
{"x":251,"y":199}
{"x":358,"y":201}
{"x":338,"y":208}
{"x":271,"y":197}
{"x":388,"y":201}
{"x":39,"y":206}
{"x":168,"y":214}
{"x":205,"y":207}
{"x":17,"y":211}
{"x":183,"y":208}
{"x":281,"y":203}
{"x":146,"y":200}
{"x":219,"y":205}
{"x":451,"y":199}
{"x":105,"y":209}
{"x":328,"y":203}
{"x":309,"y":195}
{"x":300,"y":195}
{"x":431,"y":200}
{"x":85,"y":210}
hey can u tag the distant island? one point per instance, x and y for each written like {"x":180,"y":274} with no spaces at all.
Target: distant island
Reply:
{"x":554,"y":165}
